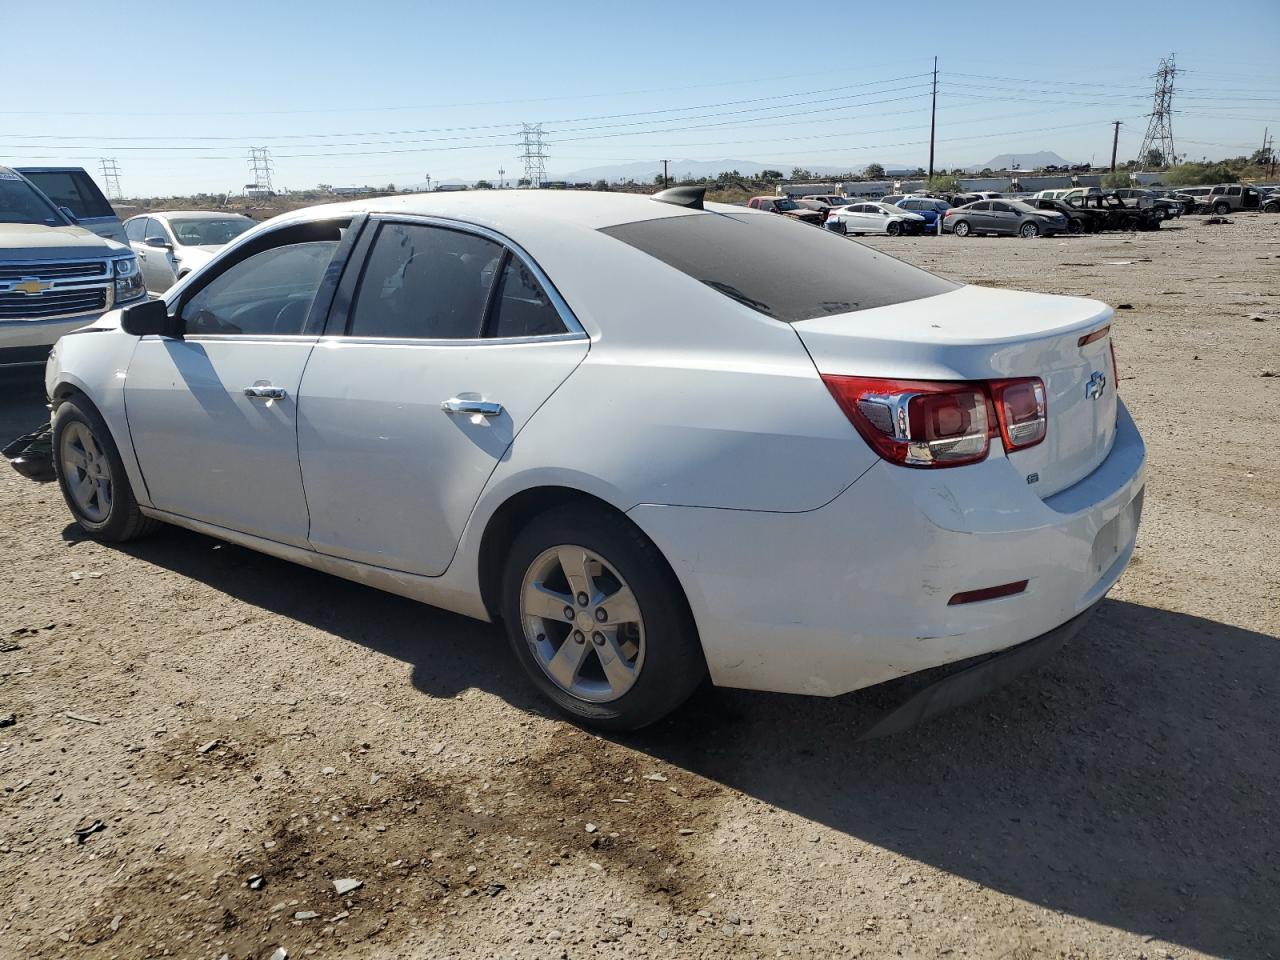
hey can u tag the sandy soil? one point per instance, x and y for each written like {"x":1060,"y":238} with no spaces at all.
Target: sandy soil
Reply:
{"x":223,"y":717}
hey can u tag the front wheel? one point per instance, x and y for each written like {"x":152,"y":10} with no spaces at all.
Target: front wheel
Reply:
{"x":92,"y":478}
{"x":1271,"y":208}
{"x":962,"y":229}
{"x":1028,"y":230}
{"x":598,"y":620}
{"x":1075,"y":226}
{"x":893,"y":229}
{"x":1222,"y":209}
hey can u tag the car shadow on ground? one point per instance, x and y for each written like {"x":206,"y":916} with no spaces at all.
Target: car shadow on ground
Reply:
{"x":1132,"y":781}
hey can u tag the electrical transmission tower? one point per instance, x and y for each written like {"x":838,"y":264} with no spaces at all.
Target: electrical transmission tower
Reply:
{"x":534,"y":156}
{"x":260,"y":164}
{"x":1159,"y":135}
{"x":111,"y":179}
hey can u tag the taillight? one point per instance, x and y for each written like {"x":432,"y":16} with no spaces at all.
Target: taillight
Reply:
{"x":1021,"y":411}
{"x":931,"y":423}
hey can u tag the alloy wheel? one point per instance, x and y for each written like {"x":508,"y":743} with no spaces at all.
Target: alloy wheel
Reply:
{"x":87,"y":472}
{"x":582,"y":623}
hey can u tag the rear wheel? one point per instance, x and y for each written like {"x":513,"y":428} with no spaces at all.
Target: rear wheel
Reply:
{"x":1075,"y":226}
{"x":1028,"y":230}
{"x":962,"y":229}
{"x":92,"y":478}
{"x":894,"y":228}
{"x":598,"y":620}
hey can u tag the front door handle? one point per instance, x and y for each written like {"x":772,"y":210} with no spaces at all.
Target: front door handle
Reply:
{"x":264,"y":391}
{"x":486,"y":408}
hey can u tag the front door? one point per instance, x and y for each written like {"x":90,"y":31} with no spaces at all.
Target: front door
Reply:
{"x":213,"y":416}
{"x":452,"y":342}
{"x":155,"y":257}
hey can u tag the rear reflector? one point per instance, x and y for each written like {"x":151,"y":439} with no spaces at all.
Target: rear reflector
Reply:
{"x":988,"y":593}
{"x":1098,"y":334}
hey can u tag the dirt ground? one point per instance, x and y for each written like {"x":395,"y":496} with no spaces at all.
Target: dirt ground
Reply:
{"x":245,"y":732}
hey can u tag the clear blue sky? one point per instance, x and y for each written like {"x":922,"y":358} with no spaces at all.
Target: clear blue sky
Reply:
{"x":376,"y":92}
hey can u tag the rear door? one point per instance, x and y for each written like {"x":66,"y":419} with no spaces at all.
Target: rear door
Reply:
{"x":73,"y":188}
{"x":452,"y":340}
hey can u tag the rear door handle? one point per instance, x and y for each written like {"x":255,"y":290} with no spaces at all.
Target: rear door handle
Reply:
{"x":486,"y":408}
{"x":264,"y":391}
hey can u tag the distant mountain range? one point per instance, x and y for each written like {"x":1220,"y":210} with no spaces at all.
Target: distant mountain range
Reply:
{"x":1025,"y":161}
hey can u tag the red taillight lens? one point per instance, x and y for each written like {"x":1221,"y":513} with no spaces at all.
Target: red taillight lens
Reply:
{"x":1021,"y":410}
{"x":917,"y":423}
{"x":930,"y":423}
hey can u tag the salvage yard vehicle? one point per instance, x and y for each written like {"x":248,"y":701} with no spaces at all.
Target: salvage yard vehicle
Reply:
{"x":1271,"y":203}
{"x":171,"y":244}
{"x":73,"y":190}
{"x":1164,"y":207}
{"x":1011,"y":217}
{"x":874,"y":218}
{"x":1079,"y":220}
{"x":931,"y":208}
{"x":1193,"y":198}
{"x":1115,"y":213}
{"x":787,"y":207}
{"x":55,"y":276}
{"x":654,"y":437}
{"x":1229,"y":197}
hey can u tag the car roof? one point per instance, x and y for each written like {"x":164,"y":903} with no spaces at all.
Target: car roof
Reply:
{"x":192,"y":214}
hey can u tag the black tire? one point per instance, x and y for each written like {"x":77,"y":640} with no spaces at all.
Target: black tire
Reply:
{"x":894,"y":228}
{"x":1075,"y":226}
{"x":123,"y":520}
{"x":962,"y":228}
{"x":1159,"y":213}
{"x":1273,"y":207}
{"x":840,"y":228}
{"x":1222,"y":209}
{"x":1028,"y":231}
{"x":673,"y":665}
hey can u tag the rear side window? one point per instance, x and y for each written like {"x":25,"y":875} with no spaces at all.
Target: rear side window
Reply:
{"x":74,"y":190}
{"x":423,"y":282}
{"x":785,"y":270}
{"x":522,"y":308}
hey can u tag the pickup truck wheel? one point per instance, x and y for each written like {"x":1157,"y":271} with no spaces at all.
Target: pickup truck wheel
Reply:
{"x":1272,"y":207}
{"x":1221,"y":208}
{"x":597,"y":619}
{"x":1028,"y":230}
{"x":92,"y":478}
{"x":1160,"y":213}
{"x":962,"y":228}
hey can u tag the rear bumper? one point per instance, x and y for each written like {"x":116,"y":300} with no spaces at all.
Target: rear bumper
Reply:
{"x":856,"y":592}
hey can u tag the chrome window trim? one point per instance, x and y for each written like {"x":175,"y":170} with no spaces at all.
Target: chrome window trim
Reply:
{"x":575,"y":330}
{"x":340,"y":338}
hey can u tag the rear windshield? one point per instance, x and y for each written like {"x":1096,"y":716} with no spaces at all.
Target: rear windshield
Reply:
{"x":74,"y":190}
{"x":786,"y":270}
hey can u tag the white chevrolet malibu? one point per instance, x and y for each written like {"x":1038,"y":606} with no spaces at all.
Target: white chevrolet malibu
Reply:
{"x":656,"y":439}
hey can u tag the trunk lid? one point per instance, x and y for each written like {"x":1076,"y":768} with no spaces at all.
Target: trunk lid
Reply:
{"x":977,"y":333}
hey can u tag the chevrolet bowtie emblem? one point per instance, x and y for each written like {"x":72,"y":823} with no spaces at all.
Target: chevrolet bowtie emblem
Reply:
{"x":31,"y":286}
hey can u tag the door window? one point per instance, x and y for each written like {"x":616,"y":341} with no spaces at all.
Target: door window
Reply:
{"x":425,"y":282}
{"x":269,"y":293}
{"x":156,"y":231}
{"x":981,"y":206}
{"x":135,"y":229}
{"x":1233,"y":191}
{"x":522,"y":308}
{"x":73,"y":189}
{"x":1002,"y":208}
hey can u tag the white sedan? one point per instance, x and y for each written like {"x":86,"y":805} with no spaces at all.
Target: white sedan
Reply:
{"x":656,"y":440}
{"x":874,"y":217}
{"x":171,"y":244}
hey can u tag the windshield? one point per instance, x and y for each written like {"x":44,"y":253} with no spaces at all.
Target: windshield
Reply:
{"x":781,"y":268}
{"x":22,"y":203}
{"x":213,"y":231}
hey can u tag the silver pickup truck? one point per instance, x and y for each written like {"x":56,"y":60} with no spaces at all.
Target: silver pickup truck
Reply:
{"x":55,"y":276}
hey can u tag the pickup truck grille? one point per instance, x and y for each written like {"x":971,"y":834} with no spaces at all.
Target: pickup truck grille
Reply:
{"x":58,"y":270}
{"x":51,"y":304}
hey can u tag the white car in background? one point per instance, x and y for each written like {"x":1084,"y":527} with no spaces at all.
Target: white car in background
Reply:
{"x":655,"y":439}
{"x":874,"y":217}
{"x":171,"y":244}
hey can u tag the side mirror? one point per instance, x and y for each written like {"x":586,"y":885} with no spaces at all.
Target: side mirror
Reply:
{"x":150,"y":317}
{"x":66,"y":212}
{"x":159,"y":243}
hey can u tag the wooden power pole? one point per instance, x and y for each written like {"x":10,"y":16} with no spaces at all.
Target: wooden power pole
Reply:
{"x":1115,"y":143}
{"x":933,"y":116}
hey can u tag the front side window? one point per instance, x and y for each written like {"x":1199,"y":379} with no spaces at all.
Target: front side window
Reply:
{"x":22,"y":203}
{"x":425,"y":282}
{"x":268,"y":293}
{"x":156,"y":231}
{"x":135,"y":229}
{"x":776,"y":266}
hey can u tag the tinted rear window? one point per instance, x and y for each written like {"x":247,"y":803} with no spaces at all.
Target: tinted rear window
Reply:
{"x":788,"y":271}
{"x":76,"y":191}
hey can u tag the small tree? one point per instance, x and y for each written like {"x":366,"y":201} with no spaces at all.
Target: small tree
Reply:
{"x":600,"y":185}
{"x":874,"y":171}
{"x":770,"y":174}
{"x":1154,"y":158}
{"x":943,"y":183}
{"x":1115,"y":181}
{"x":1191,"y":174}
{"x":800,"y":173}
{"x":483,"y":185}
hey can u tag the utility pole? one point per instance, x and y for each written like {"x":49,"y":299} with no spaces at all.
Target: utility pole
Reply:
{"x":1115,"y":144}
{"x":428,"y":176}
{"x":664,"y":174}
{"x":933,"y":116}
{"x":501,"y":183}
